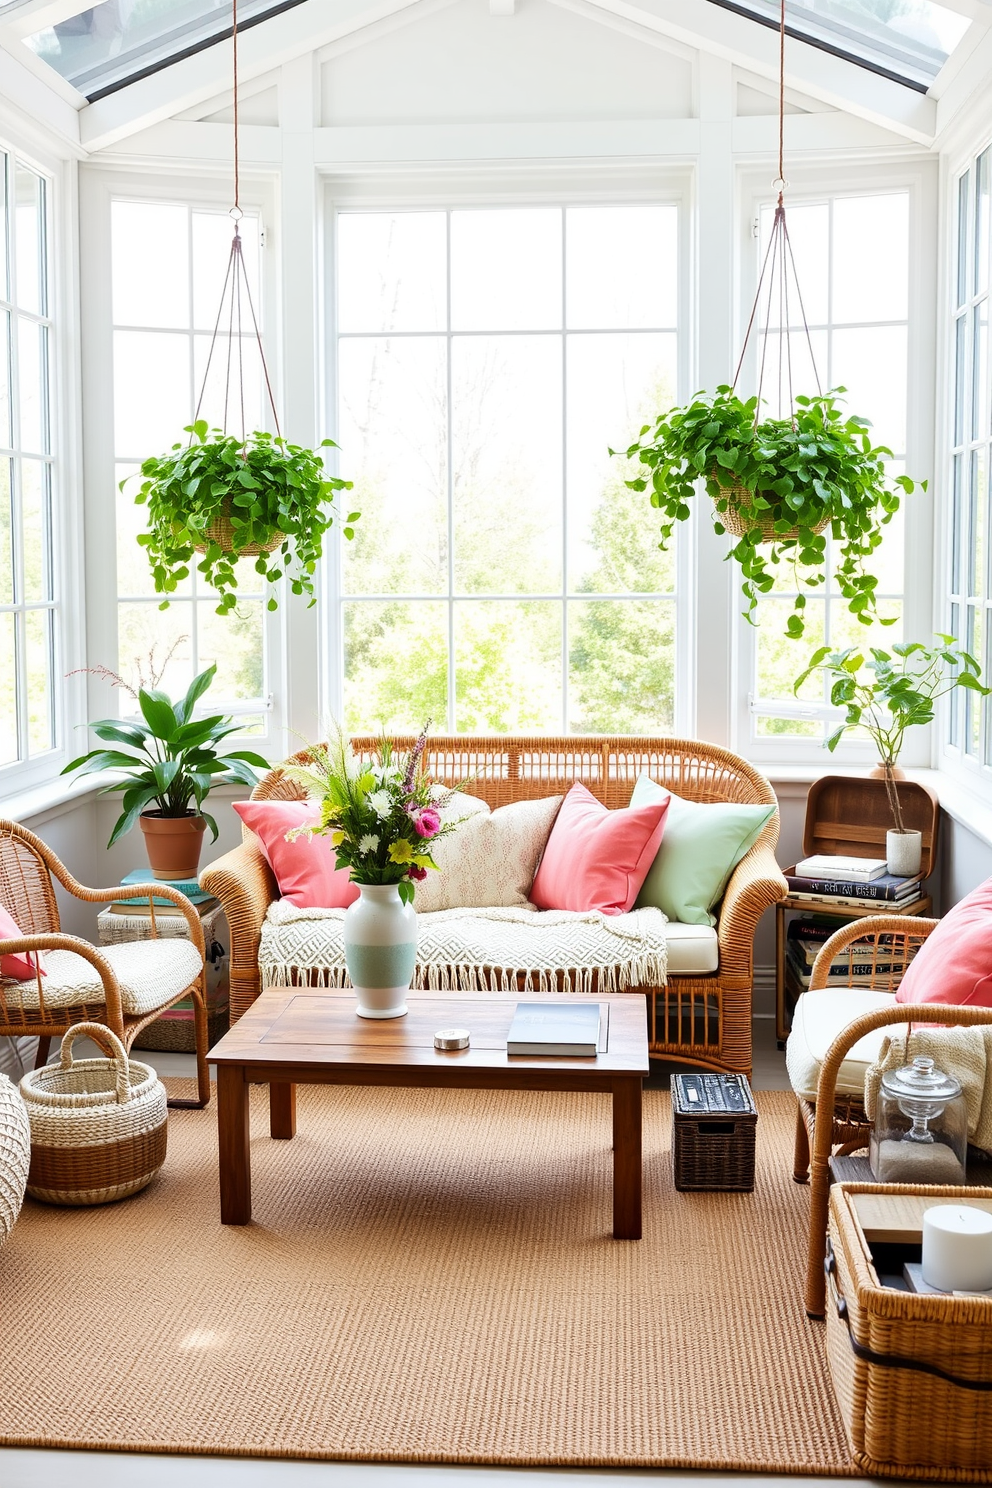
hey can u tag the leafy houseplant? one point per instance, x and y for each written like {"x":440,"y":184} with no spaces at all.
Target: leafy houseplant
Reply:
{"x":778,"y":481}
{"x":891,"y":692}
{"x":170,"y":761}
{"x":230,"y":498}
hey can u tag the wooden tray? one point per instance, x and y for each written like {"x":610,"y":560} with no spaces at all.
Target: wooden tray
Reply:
{"x":851,"y":814}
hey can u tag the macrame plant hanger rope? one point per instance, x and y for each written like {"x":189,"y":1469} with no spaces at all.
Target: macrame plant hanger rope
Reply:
{"x":235,"y":285}
{"x":773,"y":282}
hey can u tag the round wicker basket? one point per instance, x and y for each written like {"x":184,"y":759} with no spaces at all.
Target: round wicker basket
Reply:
{"x":98,"y":1126}
{"x":739,"y":526}
{"x":221,"y":531}
{"x":15,"y":1155}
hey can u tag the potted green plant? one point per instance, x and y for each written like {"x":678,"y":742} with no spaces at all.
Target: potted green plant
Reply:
{"x":776,"y":481}
{"x":886,"y":694}
{"x":231,"y":498}
{"x":169,"y":762}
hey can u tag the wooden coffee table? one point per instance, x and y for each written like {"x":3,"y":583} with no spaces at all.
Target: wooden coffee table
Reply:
{"x":292,"y":1036}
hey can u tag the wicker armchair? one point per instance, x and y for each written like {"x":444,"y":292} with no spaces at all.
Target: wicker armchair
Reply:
{"x":125,"y":987}
{"x":703,"y":1019}
{"x":833,"y":1124}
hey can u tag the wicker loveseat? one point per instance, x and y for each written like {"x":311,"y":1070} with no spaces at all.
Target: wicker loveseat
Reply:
{"x":703,"y":1019}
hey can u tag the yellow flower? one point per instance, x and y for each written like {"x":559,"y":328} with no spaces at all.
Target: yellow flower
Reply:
{"x":337,"y":838}
{"x":401,"y":852}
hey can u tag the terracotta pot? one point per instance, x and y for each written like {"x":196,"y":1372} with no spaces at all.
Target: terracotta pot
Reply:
{"x":173,"y":843}
{"x":878,"y":773}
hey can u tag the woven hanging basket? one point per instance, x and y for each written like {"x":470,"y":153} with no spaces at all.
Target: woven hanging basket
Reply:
{"x":739,"y":526}
{"x":98,"y":1126}
{"x":221,"y":531}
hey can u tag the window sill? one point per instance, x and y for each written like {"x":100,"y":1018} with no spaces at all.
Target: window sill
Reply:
{"x":32,"y":808}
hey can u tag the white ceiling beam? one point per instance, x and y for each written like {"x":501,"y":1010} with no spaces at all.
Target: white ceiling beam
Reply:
{"x":196,"y":142}
{"x":21,"y":91}
{"x":972,"y":80}
{"x":738,"y":39}
{"x":813,"y":134}
{"x":184,"y":84}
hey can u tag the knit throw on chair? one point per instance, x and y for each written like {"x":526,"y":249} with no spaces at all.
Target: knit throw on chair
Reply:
{"x":481,"y":950}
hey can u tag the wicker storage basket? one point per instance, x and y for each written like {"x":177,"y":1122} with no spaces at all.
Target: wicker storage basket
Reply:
{"x":739,"y":526}
{"x":98,"y":1126}
{"x":15,"y":1155}
{"x":175,"y":1031}
{"x":912,"y":1373}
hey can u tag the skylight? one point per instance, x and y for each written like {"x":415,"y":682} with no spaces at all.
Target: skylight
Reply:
{"x":103,"y":47}
{"x":908,"y":40}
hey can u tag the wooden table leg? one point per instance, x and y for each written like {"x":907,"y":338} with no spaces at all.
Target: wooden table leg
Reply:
{"x":282,"y":1110}
{"x":627,"y":1159}
{"x":233,"y":1143}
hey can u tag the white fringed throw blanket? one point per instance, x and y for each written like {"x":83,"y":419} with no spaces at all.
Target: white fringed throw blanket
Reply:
{"x":481,"y":950}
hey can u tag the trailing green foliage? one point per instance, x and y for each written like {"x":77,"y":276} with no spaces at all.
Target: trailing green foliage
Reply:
{"x":818,"y":466}
{"x":892,"y":691}
{"x":263,"y":485}
{"x":170,"y":761}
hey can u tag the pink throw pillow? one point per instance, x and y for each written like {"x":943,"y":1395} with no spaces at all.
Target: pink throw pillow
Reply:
{"x":20,"y":965}
{"x":595,"y":858}
{"x":954,"y":964}
{"x":304,"y":869}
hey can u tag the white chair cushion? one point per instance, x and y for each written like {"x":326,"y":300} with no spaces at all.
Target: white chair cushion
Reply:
{"x":151,"y":973}
{"x":693,"y":950}
{"x":818,"y":1019}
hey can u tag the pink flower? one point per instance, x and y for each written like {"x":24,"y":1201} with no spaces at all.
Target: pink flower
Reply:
{"x":417,"y":873}
{"x":427,"y":823}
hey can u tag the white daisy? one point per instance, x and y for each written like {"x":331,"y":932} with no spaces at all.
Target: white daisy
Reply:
{"x":368,"y":843}
{"x":381,"y":803}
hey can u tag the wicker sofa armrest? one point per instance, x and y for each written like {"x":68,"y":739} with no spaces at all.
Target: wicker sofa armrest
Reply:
{"x":755,"y":885}
{"x":245,"y":885}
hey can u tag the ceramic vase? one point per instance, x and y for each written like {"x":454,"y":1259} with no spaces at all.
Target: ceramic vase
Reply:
{"x":380,"y":949}
{"x":903,"y":852}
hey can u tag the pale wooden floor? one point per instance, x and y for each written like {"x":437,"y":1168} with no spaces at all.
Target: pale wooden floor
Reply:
{"x":44,"y":1469}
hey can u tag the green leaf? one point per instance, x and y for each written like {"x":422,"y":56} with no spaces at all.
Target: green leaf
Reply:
{"x":159,"y":714}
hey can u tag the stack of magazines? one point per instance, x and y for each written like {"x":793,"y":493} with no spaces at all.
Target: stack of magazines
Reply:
{"x":851,"y":883}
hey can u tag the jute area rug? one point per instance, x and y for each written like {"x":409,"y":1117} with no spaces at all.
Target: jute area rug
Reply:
{"x":428,"y":1276}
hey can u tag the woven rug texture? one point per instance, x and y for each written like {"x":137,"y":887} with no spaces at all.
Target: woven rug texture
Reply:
{"x":428,"y":1276}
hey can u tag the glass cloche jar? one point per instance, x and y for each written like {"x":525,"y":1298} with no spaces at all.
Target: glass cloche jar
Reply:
{"x":920,"y":1133}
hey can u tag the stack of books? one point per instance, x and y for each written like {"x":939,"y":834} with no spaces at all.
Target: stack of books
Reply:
{"x":850,"y":883}
{"x":804,"y":941}
{"x":144,"y":878}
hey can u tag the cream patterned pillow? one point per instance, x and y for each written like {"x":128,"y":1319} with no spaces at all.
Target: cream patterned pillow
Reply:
{"x":490,"y":862}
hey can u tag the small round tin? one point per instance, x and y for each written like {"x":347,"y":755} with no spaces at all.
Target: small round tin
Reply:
{"x":451,"y":1038}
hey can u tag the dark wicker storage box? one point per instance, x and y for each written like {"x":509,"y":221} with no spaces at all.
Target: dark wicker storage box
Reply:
{"x":713,"y":1131}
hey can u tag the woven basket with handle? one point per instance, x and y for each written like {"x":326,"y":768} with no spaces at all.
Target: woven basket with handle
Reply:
{"x":739,"y":526}
{"x":98,"y":1126}
{"x":221,"y":531}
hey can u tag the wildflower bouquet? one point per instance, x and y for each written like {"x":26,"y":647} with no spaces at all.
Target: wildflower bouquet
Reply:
{"x":381,"y":814}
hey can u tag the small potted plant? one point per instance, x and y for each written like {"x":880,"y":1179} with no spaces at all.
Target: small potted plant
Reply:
{"x":381,"y":816}
{"x":885,"y":695}
{"x":781,"y":482}
{"x":169,"y":762}
{"x":231,"y":498}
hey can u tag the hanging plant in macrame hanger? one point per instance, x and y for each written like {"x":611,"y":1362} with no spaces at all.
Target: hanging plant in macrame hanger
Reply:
{"x":228,"y":493}
{"x":778,"y":484}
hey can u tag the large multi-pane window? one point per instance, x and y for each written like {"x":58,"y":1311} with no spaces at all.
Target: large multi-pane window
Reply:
{"x":968,"y":612}
{"x":502,"y":577}
{"x":29,"y":600}
{"x":169,"y":264}
{"x":852,"y":262}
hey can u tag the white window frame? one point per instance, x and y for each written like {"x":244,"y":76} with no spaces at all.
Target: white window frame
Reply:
{"x":582,"y":185}
{"x":68,"y":579}
{"x":812,"y":183}
{"x":100,"y":187}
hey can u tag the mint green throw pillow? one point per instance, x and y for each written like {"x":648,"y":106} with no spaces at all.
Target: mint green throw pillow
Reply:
{"x":700,"y":848}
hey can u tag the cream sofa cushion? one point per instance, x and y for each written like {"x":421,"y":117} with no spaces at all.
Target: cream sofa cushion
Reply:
{"x":490,"y":861}
{"x":693,"y":950}
{"x":818,"y":1019}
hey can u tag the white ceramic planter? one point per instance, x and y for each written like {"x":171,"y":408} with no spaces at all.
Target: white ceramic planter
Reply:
{"x":380,"y":949}
{"x":903,"y":851}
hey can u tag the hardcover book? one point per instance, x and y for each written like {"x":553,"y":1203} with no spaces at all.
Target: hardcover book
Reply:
{"x":544,"y":1028}
{"x":839,"y":866}
{"x":885,"y":886}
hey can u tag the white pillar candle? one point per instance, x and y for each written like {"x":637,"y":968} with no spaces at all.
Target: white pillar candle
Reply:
{"x":957,"y":1248}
